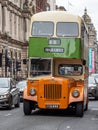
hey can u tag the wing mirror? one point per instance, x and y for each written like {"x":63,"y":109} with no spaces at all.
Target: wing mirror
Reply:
{"x":84,"y":62}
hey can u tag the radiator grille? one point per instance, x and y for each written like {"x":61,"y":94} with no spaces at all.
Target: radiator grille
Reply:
{"x":52,"y":91}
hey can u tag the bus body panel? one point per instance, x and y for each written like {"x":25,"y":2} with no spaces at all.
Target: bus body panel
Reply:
{"x":57,"y":92}
{"x":68,"y":48}
{"x":60,"y":88}
{"x":28,"y":97}
{"x":53,"y":92}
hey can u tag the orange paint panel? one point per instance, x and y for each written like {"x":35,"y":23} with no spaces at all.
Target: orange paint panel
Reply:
{"x":76,"y":99}
{"x":53,"y":92}
{"x":32,"y":84}
{"x":29,"y":97}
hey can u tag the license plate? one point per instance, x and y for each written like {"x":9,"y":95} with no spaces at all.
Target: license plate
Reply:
{"x":52,"y":106}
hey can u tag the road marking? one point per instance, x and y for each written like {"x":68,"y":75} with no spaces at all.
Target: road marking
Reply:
{"x":94,"y":108}
{"x":9,"y":114}
{"x":68,"y":127}
{"x":94,"y":119}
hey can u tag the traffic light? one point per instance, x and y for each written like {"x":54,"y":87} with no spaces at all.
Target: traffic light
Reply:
{"x":24,"y":61}
{"x":0,"y":59}
{"x":7,"y":62}
{"x":18,"y":65}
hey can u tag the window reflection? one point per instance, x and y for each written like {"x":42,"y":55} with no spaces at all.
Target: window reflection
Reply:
{"x":69,"y":70}
{"x":65,"y":29}
{"x":40,"y":67}
{"x":42,"y":28}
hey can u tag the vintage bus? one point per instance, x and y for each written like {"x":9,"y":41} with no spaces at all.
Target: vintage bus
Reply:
{"x":58,"y":63}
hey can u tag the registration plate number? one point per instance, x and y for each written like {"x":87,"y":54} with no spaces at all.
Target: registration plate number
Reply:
{"x":52,"y":106}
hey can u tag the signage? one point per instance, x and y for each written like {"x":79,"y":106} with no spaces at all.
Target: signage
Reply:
{"x":90,"y":59}
{"x":93,"y":61}
{"x":54,"y":42}
{"x":54,"y":49}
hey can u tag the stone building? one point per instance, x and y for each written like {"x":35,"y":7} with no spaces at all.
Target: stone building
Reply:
{"x":51,"y":5}
{"x":62,"y":8}
{"x":14,"y":33}
{"x":93,"y":48}
{"x":45,"y":5}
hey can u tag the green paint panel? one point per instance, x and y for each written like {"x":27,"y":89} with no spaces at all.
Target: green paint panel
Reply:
{"x":68,"y":48}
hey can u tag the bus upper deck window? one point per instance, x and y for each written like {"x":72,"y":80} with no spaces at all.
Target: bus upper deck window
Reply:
{"x":67,"y":29}
{"x":42,"y":28}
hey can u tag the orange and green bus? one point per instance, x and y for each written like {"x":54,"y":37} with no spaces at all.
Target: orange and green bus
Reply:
{"x":58,"y":63}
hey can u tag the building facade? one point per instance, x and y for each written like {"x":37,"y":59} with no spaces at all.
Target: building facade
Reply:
{"x":51,"y":5}
{"x":93,"y":47}
{"x":14,"y":33}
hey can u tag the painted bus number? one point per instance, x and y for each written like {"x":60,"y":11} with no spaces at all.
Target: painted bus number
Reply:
{"x":56,"y":50}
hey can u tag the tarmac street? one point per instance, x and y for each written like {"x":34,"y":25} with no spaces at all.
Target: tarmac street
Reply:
{"x":49,"y":120}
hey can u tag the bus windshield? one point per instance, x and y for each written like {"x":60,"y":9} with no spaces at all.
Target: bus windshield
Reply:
{"x":40,"y":67}
{"x":42,"y":28}
{"x":70,"y":70}
{"x":65,"y":29}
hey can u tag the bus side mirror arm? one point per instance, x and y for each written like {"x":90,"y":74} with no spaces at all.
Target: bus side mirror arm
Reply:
{"x":84,"y":62}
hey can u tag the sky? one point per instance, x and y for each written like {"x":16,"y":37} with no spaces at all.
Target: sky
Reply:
{"x":78,"y":6}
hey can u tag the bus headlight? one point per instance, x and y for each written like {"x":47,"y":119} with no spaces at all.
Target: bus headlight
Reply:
{"x":75,"y":93}
{"x":32,"y":92}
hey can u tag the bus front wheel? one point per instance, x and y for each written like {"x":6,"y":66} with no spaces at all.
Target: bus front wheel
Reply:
{"x":79,"y":109}
{"x":26,"y":107}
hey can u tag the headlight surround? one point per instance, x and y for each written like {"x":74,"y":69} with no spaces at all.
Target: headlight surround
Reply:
{"x":75,"y":93}
{"x":92,"y":88}
{"x":2,"y":96}
{"x":6,"y":95}
{"x":32,"y":92}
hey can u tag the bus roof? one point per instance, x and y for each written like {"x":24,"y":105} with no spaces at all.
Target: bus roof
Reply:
{"x":55,"y":16}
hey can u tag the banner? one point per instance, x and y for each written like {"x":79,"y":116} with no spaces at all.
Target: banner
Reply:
{"x":90,"y":59}
{"x":93,"y":62}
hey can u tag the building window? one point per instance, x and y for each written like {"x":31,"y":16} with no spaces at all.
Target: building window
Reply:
{"x":3,"y":19}
{"x":24,"y":28}
{"x":20,"y":3}
{"x":19,"y":28}
{"x":10,"y":23}
{"x":19,"y":56}
{"x":15,"y":28}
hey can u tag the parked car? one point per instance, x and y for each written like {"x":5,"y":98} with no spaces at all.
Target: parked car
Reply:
{"x":92,"y":88}
{"x":9,"y":94}
{"x":95,"y":76}
{"x":21,"y":85}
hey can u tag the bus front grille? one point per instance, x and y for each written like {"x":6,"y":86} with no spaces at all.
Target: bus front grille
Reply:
{"x":52,"y":91}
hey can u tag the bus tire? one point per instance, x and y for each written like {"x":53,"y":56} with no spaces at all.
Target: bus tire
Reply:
{"x":79,"y":109}
{"x":26,"y":107}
